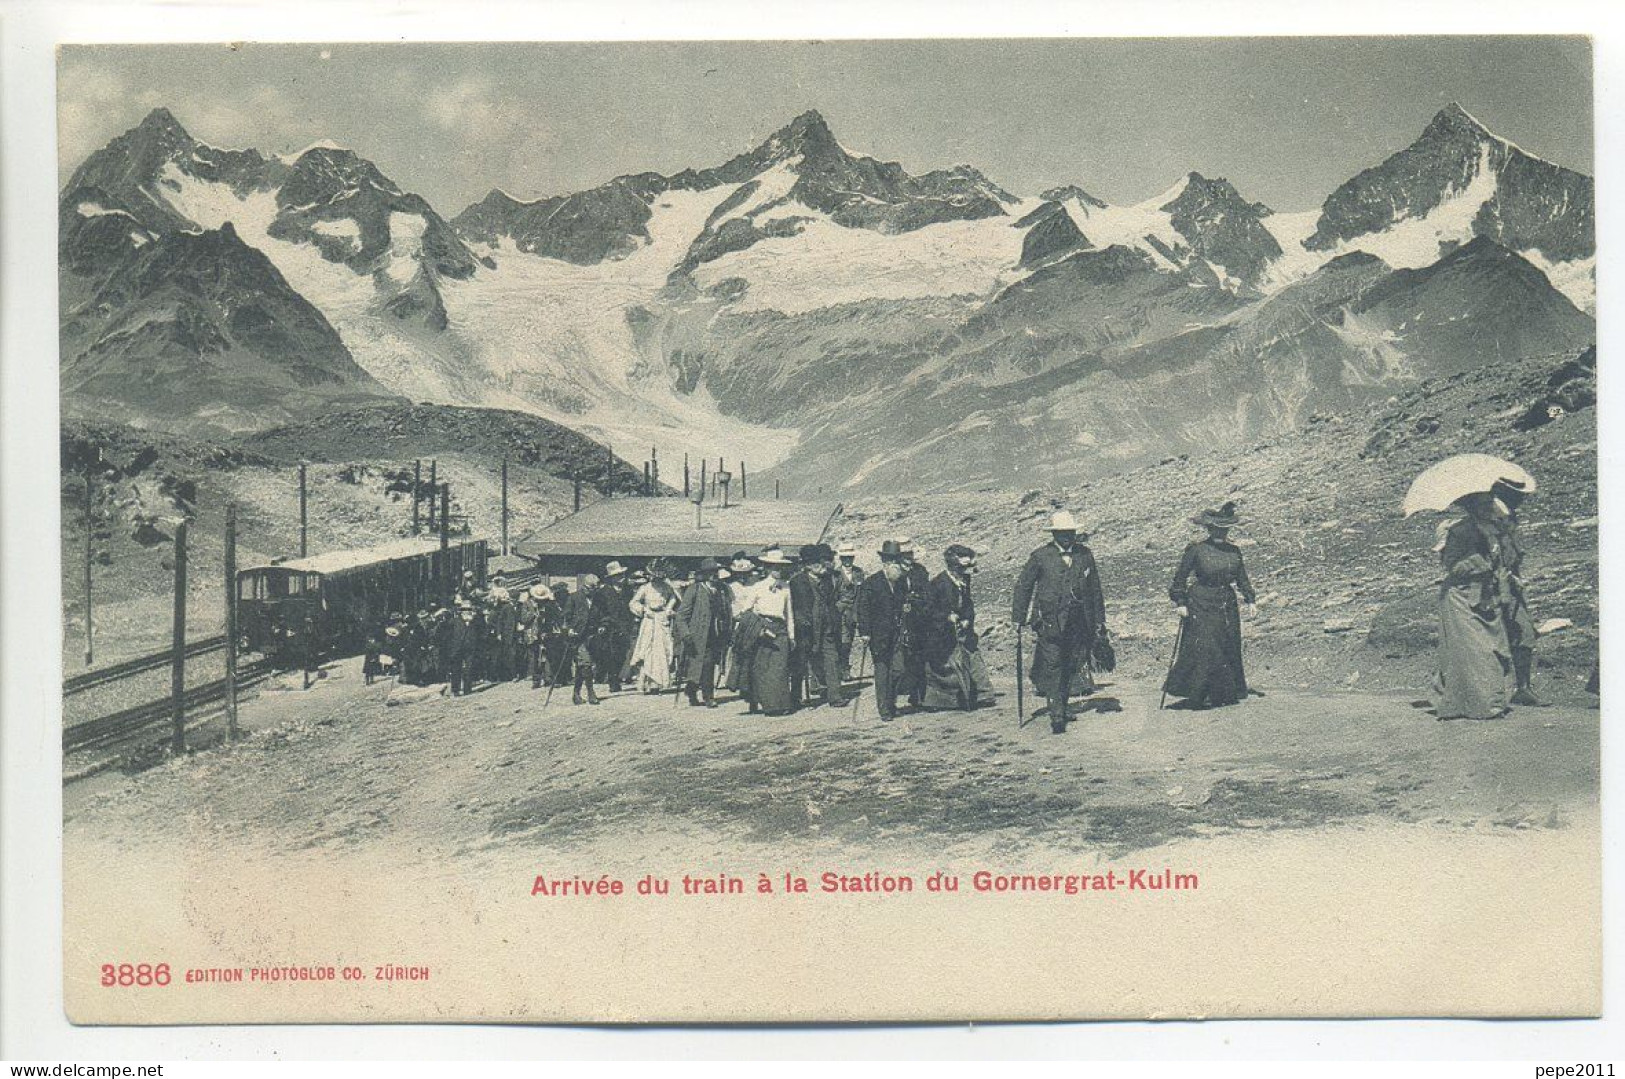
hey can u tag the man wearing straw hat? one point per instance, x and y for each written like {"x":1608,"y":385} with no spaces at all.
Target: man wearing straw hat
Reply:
{"x":848,"y":579}
{"x":1059,"y":593}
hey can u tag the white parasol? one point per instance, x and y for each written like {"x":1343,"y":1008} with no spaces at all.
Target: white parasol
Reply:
{"x":1464,"y":474}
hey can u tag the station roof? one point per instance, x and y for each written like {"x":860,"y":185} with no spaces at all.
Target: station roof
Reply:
{"x":665,"y":527}
{"x":331,"y":562}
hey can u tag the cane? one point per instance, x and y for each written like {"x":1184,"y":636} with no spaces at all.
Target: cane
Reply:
{"x":551,"y":681}
{"x":1179,"y":635}
{"x":863,"y":657}
{"x":1021,"y":690}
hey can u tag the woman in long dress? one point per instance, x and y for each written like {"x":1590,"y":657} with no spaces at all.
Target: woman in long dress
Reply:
{"x":655,"y":605}
{"x":774,"y":635}
{"x":1207,"y":670}
{"x":742,"y":583}
{"x":1474,"y":656}
{"x":955,"y":673}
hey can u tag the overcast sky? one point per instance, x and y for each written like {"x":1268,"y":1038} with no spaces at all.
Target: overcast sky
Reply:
{"x":1285,"y":119}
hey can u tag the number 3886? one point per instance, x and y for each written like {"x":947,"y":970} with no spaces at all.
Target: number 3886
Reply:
{"x":126,"y":975}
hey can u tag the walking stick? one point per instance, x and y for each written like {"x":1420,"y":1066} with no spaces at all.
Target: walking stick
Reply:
{"x":863,"y":657}
{"x":552,"y":680}
{"x":1179,"y":635}
{"x":1021,"y":679}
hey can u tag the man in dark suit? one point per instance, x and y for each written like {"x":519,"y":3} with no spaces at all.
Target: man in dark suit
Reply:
{"x":916,"y":623}
{"x":583,"y":622}
{"x":880,"y":619}
{"x":704,"y":624}
{"x":1059,"y":592}
{"x":614,"y":645}
{"x":462,"y":649}
{"x":848,"y":577}
{"x":817,"y":663}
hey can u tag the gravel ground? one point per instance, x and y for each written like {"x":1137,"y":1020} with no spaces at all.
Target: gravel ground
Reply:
{"x":345,"y":765}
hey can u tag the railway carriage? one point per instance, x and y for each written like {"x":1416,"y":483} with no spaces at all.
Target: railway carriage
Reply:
{"x":324,"y":606}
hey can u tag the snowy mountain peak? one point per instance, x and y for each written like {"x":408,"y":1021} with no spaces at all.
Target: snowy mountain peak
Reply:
{"x":1456,"y":181}
{"x":161,"y":122}
{"x":1454,"y":119}
{"x":1072,"y":193}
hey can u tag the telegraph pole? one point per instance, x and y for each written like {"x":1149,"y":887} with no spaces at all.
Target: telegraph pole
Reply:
{"x":304,"y":548}
{"x":504,"y":505}
{"x":90,"y":554}
{"x":434,"y":489}
{"x":417,"y":492}
{"x":231,"y":620}
{"x":741,"y":479}
{"x":177,"y":650}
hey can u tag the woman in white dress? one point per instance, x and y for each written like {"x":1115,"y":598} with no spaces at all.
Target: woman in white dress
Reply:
{"x":655,"y":605}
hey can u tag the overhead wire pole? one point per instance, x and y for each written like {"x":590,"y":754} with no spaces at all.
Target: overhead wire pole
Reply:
{"x":177,"y":652}
{"x":448,"y":586}
{"x":231,"y":620}
{"x":434,"y":491}
{"x":504,"y":506}
{"x":304,"y":548}
{"x":90,"y":556}
{"x":417,"y":492}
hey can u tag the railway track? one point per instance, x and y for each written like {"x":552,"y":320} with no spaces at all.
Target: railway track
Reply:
{"x":127,"y":723}
{"x":80,"y":682}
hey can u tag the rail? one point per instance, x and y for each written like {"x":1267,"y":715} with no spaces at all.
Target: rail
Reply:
{"x":109,"y":729}
{"x":112,"y":673}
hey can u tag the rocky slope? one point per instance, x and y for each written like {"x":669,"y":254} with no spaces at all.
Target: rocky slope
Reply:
{"x":359,"y":495}
{"x":1347,"y":585}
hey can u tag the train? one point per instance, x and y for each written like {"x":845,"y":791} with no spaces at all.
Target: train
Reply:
{"x":304,"y":610}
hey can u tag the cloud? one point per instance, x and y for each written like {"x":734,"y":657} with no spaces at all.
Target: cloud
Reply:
{"x":97,"y":101}
{"x":473,"y":109}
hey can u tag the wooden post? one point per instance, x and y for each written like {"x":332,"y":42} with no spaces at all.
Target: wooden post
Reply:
{"x":231,"y":620}
{"x":304,"y":547}
{"x":417,"y":492}
{"x":702,"y":478}
{"x":434,"y":491}
{"x":90,"y":556}
{"x":445,"y":515}
{"x":177,"y":648}
{"x":448,"y":587}
{"x":504,"y":505}
{"x":577,"y":479}
{"x":646,"y":488}
{"x":685,"y":476}
{"x":654,"y":470}
{"x":741,"y":479}
{"x":716,"y":478}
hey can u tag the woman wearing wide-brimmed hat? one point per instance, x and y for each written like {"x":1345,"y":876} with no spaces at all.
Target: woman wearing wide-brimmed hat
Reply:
{"x":955,"y":673}
{"x":1207,"y":670}
{"x":772,"y":636}
{"x":655,"y":604}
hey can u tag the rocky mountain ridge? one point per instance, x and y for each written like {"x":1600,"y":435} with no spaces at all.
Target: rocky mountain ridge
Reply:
{"x":785,"y":305}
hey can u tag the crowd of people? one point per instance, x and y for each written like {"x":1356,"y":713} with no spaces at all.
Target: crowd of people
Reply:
{"x":783,"y":631}
{"x":779,"y":630}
